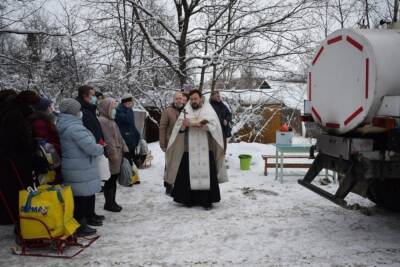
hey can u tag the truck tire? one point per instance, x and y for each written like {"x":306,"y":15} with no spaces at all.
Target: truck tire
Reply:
{"x":385,"y":193}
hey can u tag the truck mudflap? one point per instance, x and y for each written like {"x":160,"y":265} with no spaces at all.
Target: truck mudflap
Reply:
{"x":376,"y":178}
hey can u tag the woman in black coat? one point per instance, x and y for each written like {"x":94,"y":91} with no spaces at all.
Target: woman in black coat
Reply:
{"x":17,"y":151}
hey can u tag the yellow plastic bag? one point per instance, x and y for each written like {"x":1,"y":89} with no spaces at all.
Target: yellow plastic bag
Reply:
{"x":47,"y":209}
{"x":38,"y":210}
{"x":70,"y":224}
{"x":135,"y":179}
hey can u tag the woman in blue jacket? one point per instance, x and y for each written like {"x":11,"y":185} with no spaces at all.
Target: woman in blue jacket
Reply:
{"x":79,"y":151}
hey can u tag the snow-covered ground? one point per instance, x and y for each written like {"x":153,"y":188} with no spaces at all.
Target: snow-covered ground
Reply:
{"x":259,"y":222}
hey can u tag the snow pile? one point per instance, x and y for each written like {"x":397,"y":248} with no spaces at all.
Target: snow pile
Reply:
{"x":259,"y":222}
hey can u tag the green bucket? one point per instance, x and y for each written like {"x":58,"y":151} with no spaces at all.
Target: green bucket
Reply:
{"x":245,"y":162}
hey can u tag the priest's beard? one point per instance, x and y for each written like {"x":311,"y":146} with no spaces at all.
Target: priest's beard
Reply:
{"x":195,"y":106}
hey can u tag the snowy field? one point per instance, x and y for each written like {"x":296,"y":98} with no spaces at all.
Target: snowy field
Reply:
{"x":259,"y":222}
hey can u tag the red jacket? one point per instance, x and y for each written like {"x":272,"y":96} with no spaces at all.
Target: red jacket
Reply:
{"x":43,"y":127}
{"x":47,"y":130}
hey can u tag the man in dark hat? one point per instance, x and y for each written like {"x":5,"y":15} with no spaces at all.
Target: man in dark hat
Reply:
{"x":224,"y":115}
{"x":126,"y":123}
{"x":88,"y":100}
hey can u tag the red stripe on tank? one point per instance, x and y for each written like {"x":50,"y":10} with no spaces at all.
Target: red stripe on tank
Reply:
{"x":318,"y":55}
{"x":316,"y":114}
{"x":335,"y":40}
{"x":332,"y":125}
{"x":354,"y":43}
{"x":353,"y":115}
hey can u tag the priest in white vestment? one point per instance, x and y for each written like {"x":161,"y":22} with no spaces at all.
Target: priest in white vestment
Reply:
{"x":195,"y":155}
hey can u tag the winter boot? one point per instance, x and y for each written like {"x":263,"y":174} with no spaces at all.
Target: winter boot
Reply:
{"x":84,"y":229}
{"x":208,"y":206}
{"x":168,"y":188}
{"x":99,"y":217}
{"x":109,"y":195}
{"x":93,"y":221}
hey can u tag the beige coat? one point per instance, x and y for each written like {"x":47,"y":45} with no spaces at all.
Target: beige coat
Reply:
{"x":115,"y":143}
{"x":168,"y":120}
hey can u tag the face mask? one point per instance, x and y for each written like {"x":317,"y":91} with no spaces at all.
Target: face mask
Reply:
{"x":113,"y":113}
{"x":93,"y":100}
{"x":80,"y":115}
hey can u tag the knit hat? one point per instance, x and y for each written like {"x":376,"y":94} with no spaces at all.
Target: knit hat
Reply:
{"x":70,"y":106}
{"x":44,"y":104}
{"x":127,"y":98}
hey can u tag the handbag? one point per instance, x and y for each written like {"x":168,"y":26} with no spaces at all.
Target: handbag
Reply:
{"x":125,"y":177}
{"x":103,"y":167}
{"x":49,"y":153}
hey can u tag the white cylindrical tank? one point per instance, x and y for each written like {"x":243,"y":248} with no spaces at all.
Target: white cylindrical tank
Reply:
{"x":349,"y":75}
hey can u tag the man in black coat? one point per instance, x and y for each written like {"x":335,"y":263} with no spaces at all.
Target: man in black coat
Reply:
{"x":126,"y":122}
{"x":224,"y":115}
{"x":88,"y":100}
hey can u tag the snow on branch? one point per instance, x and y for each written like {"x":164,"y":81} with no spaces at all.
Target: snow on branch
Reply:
{"x":153,"y":44}
{"x":53,"y":34}
{"x":157,"y":19}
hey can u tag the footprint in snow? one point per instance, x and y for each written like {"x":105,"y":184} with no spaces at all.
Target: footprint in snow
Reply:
{"x":252,"y":192}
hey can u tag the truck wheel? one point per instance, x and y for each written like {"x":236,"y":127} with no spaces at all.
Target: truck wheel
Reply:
{"x":385,"y":193}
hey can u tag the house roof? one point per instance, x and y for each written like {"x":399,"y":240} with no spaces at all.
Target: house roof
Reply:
{"x":264,"y":85}
{"x":290,"y":94}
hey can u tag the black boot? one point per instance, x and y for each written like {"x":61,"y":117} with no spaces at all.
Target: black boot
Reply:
{"x":109,"y":195}
{"x":99,"y":217}
{"x":84,"y":229}
{"x":168,"y":189}
{"x":93,"y":221}
{"x":208,"y":206}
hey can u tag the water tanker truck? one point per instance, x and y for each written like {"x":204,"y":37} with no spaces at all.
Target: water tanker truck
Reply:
{"x":354,"y":95}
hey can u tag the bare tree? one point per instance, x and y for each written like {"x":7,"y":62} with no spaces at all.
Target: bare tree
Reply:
{"x":227,"y":23}
{"x":395,"y":10}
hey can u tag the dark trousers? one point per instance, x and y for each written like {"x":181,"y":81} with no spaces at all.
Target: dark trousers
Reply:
{"x":110,"y":189}
{"x":92,"y":205}
{"x":84,"y":207}
{"x":225,"y":144}
{"x":111,"y":183}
